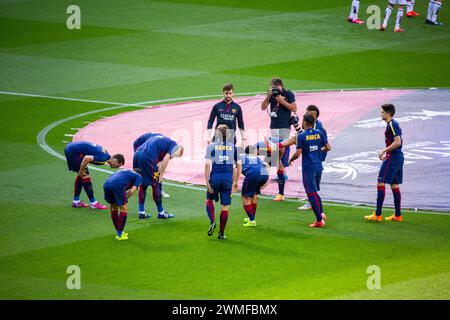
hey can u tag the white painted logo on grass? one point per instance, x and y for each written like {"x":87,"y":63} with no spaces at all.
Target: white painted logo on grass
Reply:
{"x":374,"y":280}
{"x":73,"y":22}
{"x":74,"y":279}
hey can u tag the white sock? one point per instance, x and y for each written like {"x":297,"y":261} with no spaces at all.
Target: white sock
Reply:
{"x":94,"y":203}
{"x":399,"y":18}
{"x":436,"y":9}
{"x":354,"y":9}
{"x":430,"y":9}
{"x":76,"y":201}
{"x":387,"y":16}
{"x":410,"y":6}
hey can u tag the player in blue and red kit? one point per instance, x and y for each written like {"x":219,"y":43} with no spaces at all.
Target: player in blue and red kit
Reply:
{"x":391,"y":171}
{"x":222,"y":170}
{"x":315,"y":112}
{"x":152,"y":157}
{"x":227,"y":112}
{"x":118,"y":188}
{"x":136,"y":144}
{"x":78,"y":155}
{"x":256,"y":175}
{"x":310,"y":145}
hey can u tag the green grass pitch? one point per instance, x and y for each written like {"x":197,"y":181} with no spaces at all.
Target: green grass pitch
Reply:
{"x":131,"y":51}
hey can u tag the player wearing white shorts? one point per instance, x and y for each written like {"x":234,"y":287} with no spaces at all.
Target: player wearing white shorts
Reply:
{"x":353,"y":16}
{"x":433,"y":11}
{"x":401,"y":5}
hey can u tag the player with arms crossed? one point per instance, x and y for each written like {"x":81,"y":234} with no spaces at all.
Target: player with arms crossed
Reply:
{"x":152,"y":157}
{"x":310,"y":145}
{"x":118,"y":188}
{"x":391,"y":170}
{"x":78,"y":155}
{"x":222,"y":170}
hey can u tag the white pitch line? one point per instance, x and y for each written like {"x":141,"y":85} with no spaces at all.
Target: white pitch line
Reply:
{"x":43,"y":144}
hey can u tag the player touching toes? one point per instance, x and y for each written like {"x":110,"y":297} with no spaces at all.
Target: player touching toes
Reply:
{"x":78,"y":155}
{"x":353,"y":16}
{"x":433,"y":11}
{"x":391,"y":170}
{"x":118,"y":188}
{"x":401,"y":5}
{"x":256,"y":175}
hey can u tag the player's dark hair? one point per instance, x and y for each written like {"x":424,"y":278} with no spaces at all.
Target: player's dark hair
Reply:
{"x":228,"y":87}
{"x":309,"y":119}
{"x":313,"y":108}
{"x":250,"y":149}
{"x":222,"y":132}
{"x":120,"y":158}
{"x":138,"y":171}
{"x":276,"y":81}
{"x":388,"y":108}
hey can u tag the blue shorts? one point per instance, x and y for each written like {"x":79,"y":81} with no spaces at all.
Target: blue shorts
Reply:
{"x":221,"y":187}
{"x":391,"y":171}
{"x":74,"y":160}
{"x":114,"y":194}
{"x":311,"y":180}
{"x":150,"y":173}
{"x":252,"y":185}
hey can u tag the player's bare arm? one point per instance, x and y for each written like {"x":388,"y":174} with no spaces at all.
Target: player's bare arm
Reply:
{"x":295,"y":156}
{"x":237,"y":175}
{"x":207,"y":175}
{"x":397,"y":143}
{"x":86,"y":160}
{"x":326,"y":148}
{"x":131,"y":191}
{"x":163,"y":167}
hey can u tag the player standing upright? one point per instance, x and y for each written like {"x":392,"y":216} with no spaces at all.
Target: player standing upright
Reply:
{"x":433,"y":11}
{"x":282,"y":104}
{"x":227,"y":112}
{"x":118,"y":188}
{"x":310,"y":145}
{"x":78,"y":155}
{"x":401,"y":5}
{"x":222,"y":170}
{"x":354,"y":10}
{"x":391,"y":170}
{"x":152,"y":157}
{"x":315,"y":112}
{"x":256,"y":175}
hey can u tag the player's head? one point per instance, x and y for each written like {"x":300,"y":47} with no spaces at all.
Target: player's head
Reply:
{"x":179,"y":152}
{"x":223,"y":133}
{"x":308,"y":121}
{"x":277,"y":82}
{"x":251,"y":150}
{"x":116,"y":161}
{"x":313,"y":110}
{"x":138,"y":171}
{"x":387,"y":111}
{"x":228,"y":92}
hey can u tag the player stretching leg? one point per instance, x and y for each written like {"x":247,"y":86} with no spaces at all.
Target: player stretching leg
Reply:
{"x":222,"y":170}
{"x":390,"y":7}
{"x":152,"y":157}
{"x":118,"y":188}
{"x":256,"y":175}
{"x":78,"y":155}
{"x":310,"y":145}
{"x":391,"y":171}
{"x":410,"y":9}
{"x":433,"y":11}
{"x":353,"y":17}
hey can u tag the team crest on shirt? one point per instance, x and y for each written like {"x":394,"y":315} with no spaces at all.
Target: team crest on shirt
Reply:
{"x":233,"y":110}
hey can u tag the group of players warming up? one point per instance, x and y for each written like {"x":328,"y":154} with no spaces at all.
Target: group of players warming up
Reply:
{"x":434,"y":7}
{"x":226,"y":160}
